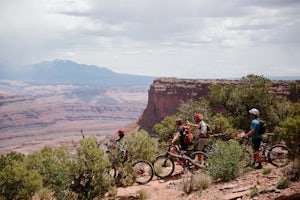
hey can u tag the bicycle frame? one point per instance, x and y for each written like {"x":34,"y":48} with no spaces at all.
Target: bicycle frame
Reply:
{"x":276,"y":154}
{"x":182,"y":155}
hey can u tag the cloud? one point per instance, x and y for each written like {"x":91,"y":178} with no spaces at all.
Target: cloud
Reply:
{"x":151,"y":37}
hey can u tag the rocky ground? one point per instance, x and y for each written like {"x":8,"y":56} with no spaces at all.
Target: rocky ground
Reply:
{"x":237,"y":189}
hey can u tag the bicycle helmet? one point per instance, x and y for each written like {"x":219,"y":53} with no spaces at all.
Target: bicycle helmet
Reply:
{"x":178,"y":121}
{"x":254,"y":111}
{"x":121,"y":131}
{"x":198,"y":116}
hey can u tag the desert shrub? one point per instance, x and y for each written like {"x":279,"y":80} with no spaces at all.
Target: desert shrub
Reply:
{"x":267,"y":170}
{"x":254,"y":191}
{"x":88,"y":171}
{"x":53,"y":165}
{"x":288,"y":130}
{"x":283,"y":183}
{"x":197,"y":182}
{"x":225,"y":163}
{"x":253,"y":91}
{"x":19,"y":182}
{"x":45,"y":194}
{"x":201,"y":181}
{"x":294,"y":172}
{"x":8,"y":158}
{"x":165,"y":129}
{"x":187,"y":110}
{"x":220,"y":124}
{"x":140,"y":146}
{"x":186,"y":185}
{"x":142,"y":194}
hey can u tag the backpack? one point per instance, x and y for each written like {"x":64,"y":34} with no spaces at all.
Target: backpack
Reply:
{"x":188,"y":137}
{"x":262,"y":127}
{"x":208,"y":129}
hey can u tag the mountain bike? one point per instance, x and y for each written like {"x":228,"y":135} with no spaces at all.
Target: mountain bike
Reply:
{"x":277,"y":155}
{"x":164,"y":164}
{"x":143,"y":171}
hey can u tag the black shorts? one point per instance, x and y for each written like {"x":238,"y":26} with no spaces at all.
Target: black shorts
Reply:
{"x":256,"y":143}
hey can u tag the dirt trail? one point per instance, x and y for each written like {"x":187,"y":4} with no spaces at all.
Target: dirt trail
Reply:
{"x":240,"y":188}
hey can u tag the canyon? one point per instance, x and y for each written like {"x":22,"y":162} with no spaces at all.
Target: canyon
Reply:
{"x":34,"y":115}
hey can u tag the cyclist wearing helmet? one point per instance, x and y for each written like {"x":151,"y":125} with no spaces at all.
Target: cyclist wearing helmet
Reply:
{"x":181,"y":134}
{"x":121,"y":134}
{"x":255,"y":136}
{"x":201,"y":131}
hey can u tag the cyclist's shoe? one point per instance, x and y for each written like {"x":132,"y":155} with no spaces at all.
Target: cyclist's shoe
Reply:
{"x":259,"y":166}
{"x":180,"y":162}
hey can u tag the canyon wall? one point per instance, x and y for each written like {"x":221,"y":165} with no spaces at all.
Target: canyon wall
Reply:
{"x":165,"y":95}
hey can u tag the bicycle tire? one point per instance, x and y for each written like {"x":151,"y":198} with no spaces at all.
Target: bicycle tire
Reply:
{"x":200,"y":158}
{"x":163,"y":166}
{"x":278,"y":155}
{"x":144,"y":172}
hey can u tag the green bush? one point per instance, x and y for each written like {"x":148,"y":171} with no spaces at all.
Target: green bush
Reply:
{"x":267,"y":170}
{"x":200,"y":181}
{"x":165,"y":129}
{"x":142,"y":194}
{"x":288,"y":130}
{"x":225,"y":164}
{"x":53,"y":166}
{"x":18,"y":182}
{"x":283,"y":183}
{"x":9,"y":158}
{"x":220,"y":124}
{"x":254,"y":191}
{"x":253,"y":91}
{"x":140,"y":146}
{"x":88,"y":171}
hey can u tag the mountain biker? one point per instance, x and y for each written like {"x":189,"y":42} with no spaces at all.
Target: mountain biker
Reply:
{"x":255,"y":136}
{"x":121,"y":134}
{"x":181,"y":133}
{"x":115,"y":143}
{"x":201,"y":131}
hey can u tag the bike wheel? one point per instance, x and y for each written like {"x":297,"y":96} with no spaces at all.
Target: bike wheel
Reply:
{"x":163,"y":166}
{"x":278,"y":155}
{"x":144,"y":172}
{"x":200,"y":158}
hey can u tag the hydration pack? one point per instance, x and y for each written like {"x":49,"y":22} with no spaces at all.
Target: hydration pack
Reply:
{"x":262,"y":127}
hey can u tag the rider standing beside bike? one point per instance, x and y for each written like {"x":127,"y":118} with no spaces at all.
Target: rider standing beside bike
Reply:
{"x":255,"y":136}
{"x":201,"y":131}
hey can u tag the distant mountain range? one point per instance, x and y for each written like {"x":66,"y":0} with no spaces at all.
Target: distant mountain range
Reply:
{"x":69,"y":72}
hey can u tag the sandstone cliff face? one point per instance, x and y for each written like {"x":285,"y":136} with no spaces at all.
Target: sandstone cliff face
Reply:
{"x":165,"y":95}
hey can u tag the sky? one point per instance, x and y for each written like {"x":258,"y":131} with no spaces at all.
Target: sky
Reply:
{"x":164,"y":38}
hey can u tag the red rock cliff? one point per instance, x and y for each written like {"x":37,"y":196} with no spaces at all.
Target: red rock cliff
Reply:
{"x":165,"y":94}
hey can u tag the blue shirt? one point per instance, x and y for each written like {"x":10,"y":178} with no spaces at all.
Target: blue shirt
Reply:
{"x":255,"y":125}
